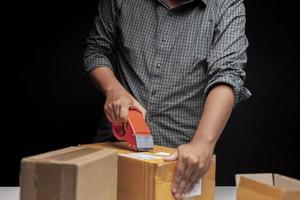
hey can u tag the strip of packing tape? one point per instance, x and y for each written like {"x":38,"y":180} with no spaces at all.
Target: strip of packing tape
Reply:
{"x":141,"y":156}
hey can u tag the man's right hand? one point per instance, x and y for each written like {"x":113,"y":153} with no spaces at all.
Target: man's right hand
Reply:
{"x":117,"y":105}
{"x":118,"y":100}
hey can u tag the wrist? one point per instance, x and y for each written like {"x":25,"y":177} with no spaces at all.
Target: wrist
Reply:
{"x":111,"y":89}
{"x":207,"y":141}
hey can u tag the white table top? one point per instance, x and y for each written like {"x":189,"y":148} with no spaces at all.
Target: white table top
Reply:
{"x":12,"y":193}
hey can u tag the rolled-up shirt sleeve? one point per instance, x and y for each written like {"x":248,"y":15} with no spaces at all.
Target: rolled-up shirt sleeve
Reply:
{"x":227,"y":56}
{"x":100,"y":44}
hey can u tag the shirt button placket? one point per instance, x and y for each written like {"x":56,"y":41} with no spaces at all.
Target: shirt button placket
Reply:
{"x":158,"y":66}
{"x":153,"y":92}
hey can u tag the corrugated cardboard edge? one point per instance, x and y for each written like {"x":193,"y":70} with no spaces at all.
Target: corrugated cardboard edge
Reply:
{"x":150,"y":183}
{"x":26,"y":182}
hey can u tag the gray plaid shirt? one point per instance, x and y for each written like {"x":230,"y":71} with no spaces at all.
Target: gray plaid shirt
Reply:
{"x":169,"y":59}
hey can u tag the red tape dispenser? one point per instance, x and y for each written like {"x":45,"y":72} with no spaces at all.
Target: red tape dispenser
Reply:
{"x":135,"y":132}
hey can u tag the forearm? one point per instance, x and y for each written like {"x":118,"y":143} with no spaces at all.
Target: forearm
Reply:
{"x":104,"y":79}
{"x":217,"y":109}
{"x":118,"y":100}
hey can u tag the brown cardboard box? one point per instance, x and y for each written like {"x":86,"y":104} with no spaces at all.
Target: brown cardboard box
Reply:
{"x":145,"y":176}
{"x":267,"y":187}
{"x":73,"y":173}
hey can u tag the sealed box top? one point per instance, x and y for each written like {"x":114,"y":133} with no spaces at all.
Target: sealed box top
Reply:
{"x":70,"y":155}
{"x":153,"y":156}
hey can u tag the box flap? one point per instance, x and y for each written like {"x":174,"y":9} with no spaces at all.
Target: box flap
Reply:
{"x":266,"y":178}
{"x":258,"y":187}
{"x":286,"y":183}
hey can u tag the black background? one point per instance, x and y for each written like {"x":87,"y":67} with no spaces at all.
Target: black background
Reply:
{"x":51,"y":105}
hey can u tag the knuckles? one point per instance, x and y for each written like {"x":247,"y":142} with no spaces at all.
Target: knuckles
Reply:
{"x":192,"y":161}
{"x":200,"y":166}
{"x":117,"y":103}
{"x":108,"y":107}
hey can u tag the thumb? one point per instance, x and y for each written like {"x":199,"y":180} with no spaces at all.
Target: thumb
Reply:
{"x":172,"y":157}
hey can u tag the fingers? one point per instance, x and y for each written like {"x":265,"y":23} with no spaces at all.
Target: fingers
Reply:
{"x":172,"y":157}
{"x":117,"y":111}
{"x":194,"y":177}
{"x":179,"y":192}
{"x":123,"y":114}
{"x":109,"y":113}
{"x":187,"y":178}
{"x":136,"y":105}
{"x":191,"y":176}
{"x":191,"y":165}
{"x":179,"y":172}
{"x":185,"y":182}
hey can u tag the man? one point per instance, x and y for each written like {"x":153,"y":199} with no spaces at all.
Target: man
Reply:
{"x":180,"y":63}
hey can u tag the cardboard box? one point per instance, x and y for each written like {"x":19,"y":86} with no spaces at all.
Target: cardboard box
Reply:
{"x":267,"y":187}
{"x":74,"y":173}
{"x":145,"y":176}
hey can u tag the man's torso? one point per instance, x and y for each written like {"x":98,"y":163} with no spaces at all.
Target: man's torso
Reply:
{"x":161,"y":60}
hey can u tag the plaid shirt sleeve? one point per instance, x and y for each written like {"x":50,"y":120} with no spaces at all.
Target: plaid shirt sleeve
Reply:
{"x":227,"y":56}
{"x":102,"y":38}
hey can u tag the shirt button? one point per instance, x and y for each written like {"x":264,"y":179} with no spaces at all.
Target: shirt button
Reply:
{"x":153,"y":92}
{"x":158,"y":65}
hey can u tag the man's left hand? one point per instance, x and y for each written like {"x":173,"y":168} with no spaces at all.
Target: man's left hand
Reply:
{"x":193,"y":162}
